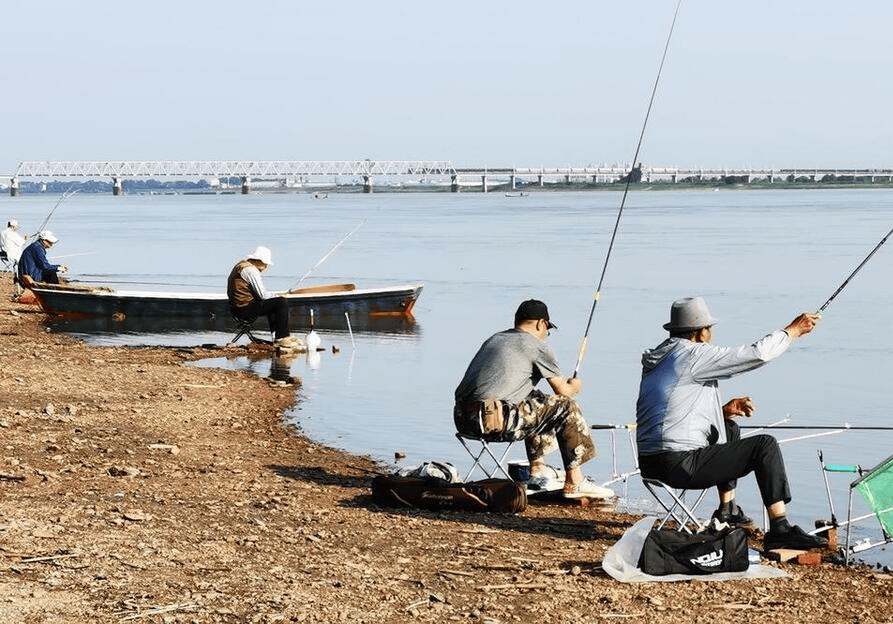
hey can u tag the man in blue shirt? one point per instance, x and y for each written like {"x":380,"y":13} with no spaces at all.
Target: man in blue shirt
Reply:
{"x":34,"y":263}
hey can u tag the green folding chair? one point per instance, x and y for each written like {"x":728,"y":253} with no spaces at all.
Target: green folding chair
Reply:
{"x":876,"y":487}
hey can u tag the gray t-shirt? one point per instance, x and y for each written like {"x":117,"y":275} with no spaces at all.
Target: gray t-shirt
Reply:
{"x":507,"y":367}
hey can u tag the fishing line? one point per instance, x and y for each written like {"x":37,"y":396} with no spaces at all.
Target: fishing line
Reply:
{"x":329,"y":253}
{"x":861,"y":264}
{"x":843,"y":427}
{"x":625,"y":192}
{"x":65,"y":196}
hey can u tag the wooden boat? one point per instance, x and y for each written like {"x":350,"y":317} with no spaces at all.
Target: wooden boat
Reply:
{"x":327,"y":302}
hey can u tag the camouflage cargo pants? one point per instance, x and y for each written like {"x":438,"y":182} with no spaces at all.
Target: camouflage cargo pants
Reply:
{"x":547,"y":422}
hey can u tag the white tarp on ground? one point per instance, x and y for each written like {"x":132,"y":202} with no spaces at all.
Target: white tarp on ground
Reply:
{"x":621,"y":561}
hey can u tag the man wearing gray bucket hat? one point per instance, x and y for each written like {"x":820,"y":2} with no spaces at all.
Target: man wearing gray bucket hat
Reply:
{"x":686,"y":437}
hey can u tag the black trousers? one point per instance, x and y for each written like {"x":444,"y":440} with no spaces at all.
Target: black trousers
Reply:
{"x":721,"y":465}
{"x":274,"y":308}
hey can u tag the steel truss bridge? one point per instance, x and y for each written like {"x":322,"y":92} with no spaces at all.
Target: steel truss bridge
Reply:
{"x":298,"y":173}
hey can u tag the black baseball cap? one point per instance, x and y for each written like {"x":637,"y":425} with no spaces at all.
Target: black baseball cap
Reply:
{"x":532,"y":310}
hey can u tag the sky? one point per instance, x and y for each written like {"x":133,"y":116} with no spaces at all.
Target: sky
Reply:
{"x":495,"y":83}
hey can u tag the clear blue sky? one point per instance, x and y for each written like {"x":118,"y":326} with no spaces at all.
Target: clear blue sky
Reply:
{"x":496,"y":83}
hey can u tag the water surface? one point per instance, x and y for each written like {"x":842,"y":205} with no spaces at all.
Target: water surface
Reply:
{"x":759,"y":258}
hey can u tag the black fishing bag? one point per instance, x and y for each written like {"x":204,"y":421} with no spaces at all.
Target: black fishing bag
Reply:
{"x":675,"y":552}
{"x":498,"y":495}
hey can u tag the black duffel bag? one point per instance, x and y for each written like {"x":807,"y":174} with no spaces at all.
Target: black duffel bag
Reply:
{"x":497,"y":495}
{"x":674,"y":552}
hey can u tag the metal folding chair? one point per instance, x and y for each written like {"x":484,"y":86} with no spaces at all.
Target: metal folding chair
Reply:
{"x":483,"y":453}
{"x":243,"y":328}
{"x":674,"y":504}
{"x":876,"y":487}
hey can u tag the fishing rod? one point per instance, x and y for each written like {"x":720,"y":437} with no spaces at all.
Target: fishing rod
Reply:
{"x":845,"y":426}
{"x":65,"y":196}
{"x":861,"y":264}
{"x":629,"y":178}
{"x":329,"y":253}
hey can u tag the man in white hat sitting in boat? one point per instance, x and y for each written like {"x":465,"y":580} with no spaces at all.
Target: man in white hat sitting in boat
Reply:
{"x":498,"y":400}
{"x":33,"y":261}
{"x":249,"y":299}
{"x":686,"y":437}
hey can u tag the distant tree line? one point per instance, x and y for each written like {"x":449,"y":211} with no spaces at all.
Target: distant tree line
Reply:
{"x":98,"y":186}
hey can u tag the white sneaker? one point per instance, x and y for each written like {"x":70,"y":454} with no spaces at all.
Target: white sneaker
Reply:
{"x":548,"y":480}
{"x":587,"y":489}
{"x":287,"y":342}
{"x":542,"y":484}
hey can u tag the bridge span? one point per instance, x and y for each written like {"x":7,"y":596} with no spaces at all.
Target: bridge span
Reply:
{"x":297,"y":174}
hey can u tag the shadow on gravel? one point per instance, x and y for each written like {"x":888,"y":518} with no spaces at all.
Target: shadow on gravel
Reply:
{"x":602,"y":525}
{"x":320,"y":476}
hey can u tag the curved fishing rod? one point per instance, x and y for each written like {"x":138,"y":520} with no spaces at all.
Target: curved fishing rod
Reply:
{"x":329,"y":253}
{"x":598,"y":290}
{"x":65,"y":196}
{"x":861,"y":264}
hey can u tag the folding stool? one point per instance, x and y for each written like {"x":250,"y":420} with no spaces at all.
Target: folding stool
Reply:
{"x":673,"y":502}
{"x":243,"y":328}
{"x":477,"y":455}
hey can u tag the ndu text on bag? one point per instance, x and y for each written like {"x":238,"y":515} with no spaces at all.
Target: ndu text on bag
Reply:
{"x":674,"y":552}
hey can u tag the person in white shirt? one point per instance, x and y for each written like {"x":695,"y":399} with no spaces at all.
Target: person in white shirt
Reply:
{"x":248,"y":298}
{"x":11,"y":242}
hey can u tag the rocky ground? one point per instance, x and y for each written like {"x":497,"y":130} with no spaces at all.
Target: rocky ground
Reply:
{"x":134,"y":487}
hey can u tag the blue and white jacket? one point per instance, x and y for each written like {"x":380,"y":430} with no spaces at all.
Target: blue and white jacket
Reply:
{"x":679,"y":404}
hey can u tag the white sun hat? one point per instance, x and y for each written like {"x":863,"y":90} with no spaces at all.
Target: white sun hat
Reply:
{"x":48,"y":236}
{"x":263,"y":254}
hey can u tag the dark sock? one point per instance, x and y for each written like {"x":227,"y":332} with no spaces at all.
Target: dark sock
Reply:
{"x":779,"y":524}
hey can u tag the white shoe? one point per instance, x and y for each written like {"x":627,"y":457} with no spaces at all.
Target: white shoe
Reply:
{"x":288,"y":342}
{"x":548,"y":480}
{"x":587,"y":489}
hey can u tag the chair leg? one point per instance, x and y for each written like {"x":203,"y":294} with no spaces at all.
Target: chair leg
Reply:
{"x":677,"y":509}
{"x":245,"y":330}
{"x":476,"y":457}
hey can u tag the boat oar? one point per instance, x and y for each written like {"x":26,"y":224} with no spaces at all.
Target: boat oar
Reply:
{"x":629,"y":177}
{"x":857,"y":269}
{"x":328,"y":253}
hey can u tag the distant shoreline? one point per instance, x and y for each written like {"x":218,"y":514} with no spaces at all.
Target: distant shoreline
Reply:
{"x":321,"y":191}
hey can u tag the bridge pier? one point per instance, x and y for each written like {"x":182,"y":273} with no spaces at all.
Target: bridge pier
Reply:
{"x":14,"y":187}
{"x":513,"y":182}
{"x":454,"y":183}
{"x":246,"y":184}
{"x":539,"y":179}
{"x":117,"y":186}
{"x":367,"y":184}
{"x":484,"y":183}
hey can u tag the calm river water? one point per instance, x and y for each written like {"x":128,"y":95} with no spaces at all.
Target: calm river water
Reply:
{"x":759,"y":258}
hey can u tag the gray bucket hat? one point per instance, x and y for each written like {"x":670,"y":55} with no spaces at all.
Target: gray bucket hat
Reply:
{"x":689,"y":314}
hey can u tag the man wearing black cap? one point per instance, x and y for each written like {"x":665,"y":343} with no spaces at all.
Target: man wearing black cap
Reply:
{"x":498,"y":400}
